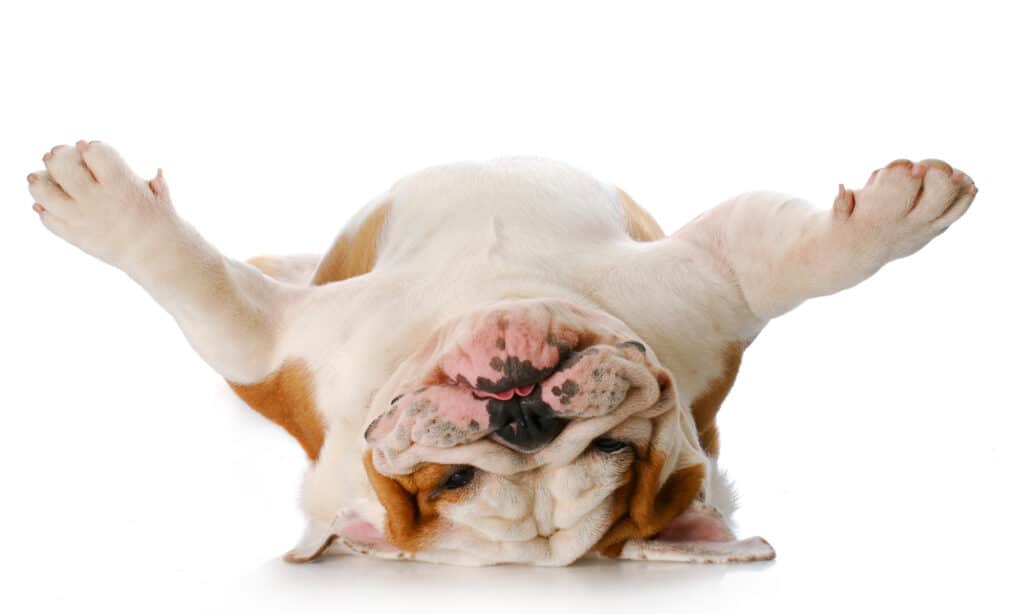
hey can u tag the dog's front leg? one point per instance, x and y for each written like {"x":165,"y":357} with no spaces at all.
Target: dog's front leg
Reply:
{"x":231,"y":313}
{"x":783,"y":251}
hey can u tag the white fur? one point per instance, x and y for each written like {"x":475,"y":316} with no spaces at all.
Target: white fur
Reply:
{"x":465,"y":236}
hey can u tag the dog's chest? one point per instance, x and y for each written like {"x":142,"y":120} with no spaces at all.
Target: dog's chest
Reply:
{"x":453,"y":239}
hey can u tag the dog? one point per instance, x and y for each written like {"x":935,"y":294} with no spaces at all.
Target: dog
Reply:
{"x":506,"y":361}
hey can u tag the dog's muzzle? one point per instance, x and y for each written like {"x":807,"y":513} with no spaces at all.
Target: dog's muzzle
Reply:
{"x":516,"y":374}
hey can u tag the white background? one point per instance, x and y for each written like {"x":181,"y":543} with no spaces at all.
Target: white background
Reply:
{"x":874,"y":436}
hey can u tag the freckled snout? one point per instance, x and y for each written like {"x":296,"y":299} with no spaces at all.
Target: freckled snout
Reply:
{"x":504,"y":361}
{"x":517,"y":373}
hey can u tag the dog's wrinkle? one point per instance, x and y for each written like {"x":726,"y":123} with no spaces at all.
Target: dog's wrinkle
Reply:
{"x":516,"y":371}
{"x":501,"y":529}
{"x":496,"y":247}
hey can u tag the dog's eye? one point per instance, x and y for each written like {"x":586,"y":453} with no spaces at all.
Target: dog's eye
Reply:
{"x":459,"y":478}
{"x":609,"y":445}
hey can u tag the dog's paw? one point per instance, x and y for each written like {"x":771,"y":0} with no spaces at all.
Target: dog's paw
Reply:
{"x":89,"y":197}
{"x":904,"y":206}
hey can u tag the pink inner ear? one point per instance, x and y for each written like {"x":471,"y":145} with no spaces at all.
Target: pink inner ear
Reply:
{"x":362,"y":532}
{"x":352,"y":532}
{"x":699,"y":523}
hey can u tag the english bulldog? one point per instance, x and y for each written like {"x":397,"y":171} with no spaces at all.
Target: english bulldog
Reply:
{"x":503,"y":361}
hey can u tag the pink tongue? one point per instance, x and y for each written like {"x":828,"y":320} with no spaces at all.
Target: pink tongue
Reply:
{"x":505,"y":395}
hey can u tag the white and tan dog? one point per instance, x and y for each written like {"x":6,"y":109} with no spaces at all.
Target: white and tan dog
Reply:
{"x":504,"y":361}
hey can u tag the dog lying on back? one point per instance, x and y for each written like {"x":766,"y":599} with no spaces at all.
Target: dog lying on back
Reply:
{"x":502,"y":362}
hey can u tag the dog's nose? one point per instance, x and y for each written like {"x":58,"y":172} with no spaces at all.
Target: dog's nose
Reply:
{"x":525,"y":423}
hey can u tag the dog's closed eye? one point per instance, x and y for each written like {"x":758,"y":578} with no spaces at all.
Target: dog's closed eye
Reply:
{"x":459,"y":478}
{"x":608,"y":445}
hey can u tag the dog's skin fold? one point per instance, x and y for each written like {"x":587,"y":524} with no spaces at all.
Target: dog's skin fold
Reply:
{"x":502,"y":362}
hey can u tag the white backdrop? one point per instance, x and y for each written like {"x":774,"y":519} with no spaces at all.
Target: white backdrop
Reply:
{"x":874,"y":435}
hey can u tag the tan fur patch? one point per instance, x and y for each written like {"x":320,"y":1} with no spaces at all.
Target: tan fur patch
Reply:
{"x":640,"y":225}
{"x":267,"y":264}
{"x":706,"y":406}
{"x":286,"y":398}
{"x":641,"y":509}
{"x":289,"y":269}
{"x":412,"y":502}
{"x":353,"y":253}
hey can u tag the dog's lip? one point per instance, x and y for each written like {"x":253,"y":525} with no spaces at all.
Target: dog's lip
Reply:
{"x":504,"y":395}
{"x":522,"y":420}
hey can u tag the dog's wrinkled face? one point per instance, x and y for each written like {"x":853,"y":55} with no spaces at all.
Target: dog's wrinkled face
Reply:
{"x":534,"y":432}
{"x":552,"y":514}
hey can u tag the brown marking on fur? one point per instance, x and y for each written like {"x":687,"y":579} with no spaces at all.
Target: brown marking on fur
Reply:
{"x":266,"y":264}
{"x":412,"y":502}
{"x":640,"y":509}
{"x":640,"y":225}
{"x":354,"y":253}
{"x":709,"y":441}
{"x":620,"y":508}
{"x":286,"y":399}
{"x":706,"y":406}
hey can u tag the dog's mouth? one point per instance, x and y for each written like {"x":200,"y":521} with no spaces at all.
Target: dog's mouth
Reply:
{"x":505,"y":395}
{"x":521,"y":418}
{"x":520,"y":415}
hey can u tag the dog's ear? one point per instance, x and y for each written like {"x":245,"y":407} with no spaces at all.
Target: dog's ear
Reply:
{"x":666,"y":477}
{"x":413,"y":502}
{"x":406,"y":524}
{"x":672,"y":525}
{"x":347,"y":534}
{"x":659,"y":512}
{"x":644,"y":505}
{"x":412,"y":519}
{"x":698,"y":535}
{"x":314,"y":542}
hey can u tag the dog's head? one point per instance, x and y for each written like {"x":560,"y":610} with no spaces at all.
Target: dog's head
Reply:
{"x":533,"y":431}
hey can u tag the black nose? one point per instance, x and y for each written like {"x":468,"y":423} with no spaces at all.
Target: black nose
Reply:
{"x":524,"y":423}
